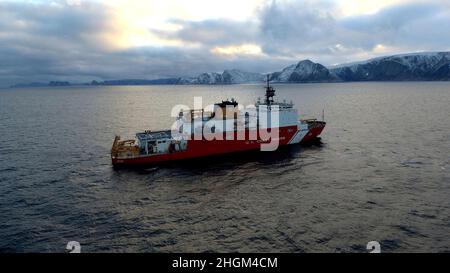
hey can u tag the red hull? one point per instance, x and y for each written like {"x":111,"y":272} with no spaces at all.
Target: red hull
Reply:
{"x":204,"y":148}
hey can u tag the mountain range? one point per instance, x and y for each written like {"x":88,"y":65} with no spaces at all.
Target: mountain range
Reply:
{"x":406,"y":67}
{"x":433,"y":66}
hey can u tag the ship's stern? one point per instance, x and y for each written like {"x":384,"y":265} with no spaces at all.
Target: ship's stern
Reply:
{"x":121,"y":151}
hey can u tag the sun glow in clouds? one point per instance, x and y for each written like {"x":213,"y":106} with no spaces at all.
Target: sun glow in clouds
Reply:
{"x":244,"y":49}
{"x":140,"y":23}
{"x":137,"y":23}
{"x":360,"y":7}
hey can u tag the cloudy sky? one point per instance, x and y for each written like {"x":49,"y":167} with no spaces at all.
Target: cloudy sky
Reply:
{"x":81,"y":40}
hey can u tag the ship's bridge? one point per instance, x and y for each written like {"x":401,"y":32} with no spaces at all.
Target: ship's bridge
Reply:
{"x":226,"y":115}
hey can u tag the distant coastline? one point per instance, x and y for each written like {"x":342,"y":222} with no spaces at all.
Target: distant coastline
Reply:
{"x":430,"y":66}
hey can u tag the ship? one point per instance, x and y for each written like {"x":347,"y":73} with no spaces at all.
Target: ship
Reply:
{"x":226,"y":129}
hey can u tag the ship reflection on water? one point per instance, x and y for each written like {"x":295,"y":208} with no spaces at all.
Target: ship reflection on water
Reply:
{"x":283,"y":155}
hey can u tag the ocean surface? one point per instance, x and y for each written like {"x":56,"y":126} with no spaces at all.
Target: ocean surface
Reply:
{"x":380,"y":173}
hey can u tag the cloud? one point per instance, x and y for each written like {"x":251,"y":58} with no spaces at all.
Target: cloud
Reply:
{"x":295,"y":27}
{"x":47,"y":40}
{"x":83,"y":41}
{"x":71,"y":42}
{"x":222,"y":32}
{"x":316,"y":29}
{"x":406,"y":26}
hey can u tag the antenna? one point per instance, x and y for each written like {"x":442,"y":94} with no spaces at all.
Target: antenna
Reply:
{"x":323,"y":114}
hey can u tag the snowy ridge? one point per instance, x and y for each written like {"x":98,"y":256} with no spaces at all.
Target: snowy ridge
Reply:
{"x":413,"y":66}
{"x":397,"y":56}
{"x":232,"y":76}
{"x":304,"y":71}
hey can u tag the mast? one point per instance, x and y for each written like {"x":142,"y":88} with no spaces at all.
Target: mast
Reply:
{"x":270,"y":92}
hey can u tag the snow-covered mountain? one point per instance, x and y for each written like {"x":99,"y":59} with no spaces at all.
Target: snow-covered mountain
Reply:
{"x":208,"y":78}
{"x":405,"y":67}
{"x":232,"y":76}
{"x":414,"y":66}
{"x":238,"y":76}
{"x":304,"y":71}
